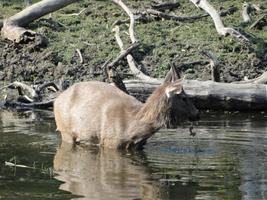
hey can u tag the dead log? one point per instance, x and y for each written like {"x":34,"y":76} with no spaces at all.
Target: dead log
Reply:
{"x":39,"y":105}
{"x":13,"y":27}
{"x":209,"y":95}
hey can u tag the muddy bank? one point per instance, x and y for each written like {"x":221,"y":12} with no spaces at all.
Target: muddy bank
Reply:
{"x":162,"y":42}
{"x":23,"y":63}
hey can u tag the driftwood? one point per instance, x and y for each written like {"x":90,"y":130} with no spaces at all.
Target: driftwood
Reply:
{"x":211,"y":95}
{"x":32,"y":96}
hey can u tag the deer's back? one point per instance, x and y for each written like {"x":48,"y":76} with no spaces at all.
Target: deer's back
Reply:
{"x":94,"y":110}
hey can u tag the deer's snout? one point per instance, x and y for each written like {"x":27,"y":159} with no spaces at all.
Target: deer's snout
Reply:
{"x":195,"y":116}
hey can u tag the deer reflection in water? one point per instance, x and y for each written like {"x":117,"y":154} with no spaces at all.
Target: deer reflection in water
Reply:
{"x":108,"y":174}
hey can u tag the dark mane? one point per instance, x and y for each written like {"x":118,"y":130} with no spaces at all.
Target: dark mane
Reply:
{"x":157,"y":108}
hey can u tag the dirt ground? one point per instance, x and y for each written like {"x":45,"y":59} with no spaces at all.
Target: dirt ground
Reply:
{"x":162,"y":42}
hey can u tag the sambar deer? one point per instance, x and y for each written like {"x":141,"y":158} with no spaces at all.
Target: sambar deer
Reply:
{"x":99,"y":113}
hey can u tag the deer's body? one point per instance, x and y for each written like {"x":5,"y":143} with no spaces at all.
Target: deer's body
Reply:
{"x":96,"y":112}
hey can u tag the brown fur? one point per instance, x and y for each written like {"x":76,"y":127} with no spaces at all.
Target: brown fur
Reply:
{"x":156,"y":110}
{"x":96,"y":111}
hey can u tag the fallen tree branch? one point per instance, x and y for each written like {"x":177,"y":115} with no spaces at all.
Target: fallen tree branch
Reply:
{"x":75,"y":14}
{"x":36,"y":93}
{"x":245,"y":10}
{"x":259,"y":80}
{"x":259,"y":23}
{"x":80,"y":55}
{"x":214,"y":65}
{"x":166,"y":6}
{"x":40,"y":105}
{"x":132,"y":21}
{"x":22,"y":89}
{"x":123,"y":54}
{"x":174,"y":17}
{"x":221,"y":29}
{"x":13,"y":27}
{"x":130,"y":59}
{"x":188,"y":18}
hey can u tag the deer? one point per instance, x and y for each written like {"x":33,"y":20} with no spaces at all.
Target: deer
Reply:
{"x":97,"y":113}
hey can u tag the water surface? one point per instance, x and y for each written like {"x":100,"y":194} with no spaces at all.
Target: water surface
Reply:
{"x":225,"y":160}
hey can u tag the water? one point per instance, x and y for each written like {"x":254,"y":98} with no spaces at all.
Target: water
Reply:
{"x":225,"y":160}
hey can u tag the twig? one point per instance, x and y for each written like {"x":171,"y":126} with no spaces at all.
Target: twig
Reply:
{"x":80,"y":55}
{"x":10,"y":164}
{"x":123,"y":54}
{"x":75,"y":14}
{"x":214,"y":65}
{"x":261,"y":19}
{"x":259,"y":80}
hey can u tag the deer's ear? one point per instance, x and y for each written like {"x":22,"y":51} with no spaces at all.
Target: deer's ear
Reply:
{"x":172,"y":75}
{"x":172,"y":90}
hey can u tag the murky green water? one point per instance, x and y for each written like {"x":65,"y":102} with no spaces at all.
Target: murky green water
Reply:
{"x":226,"y":160}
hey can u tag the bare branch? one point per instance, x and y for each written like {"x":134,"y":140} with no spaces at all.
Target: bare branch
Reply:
{"x":22,"y":88}
{"x":132,"y":21}
{"x":221,"y":29}
{"x":260,"y":22}
{"x":80,"y":55}
{"x":245,"y":15}
{"x":187,"y":18}
{"x":259,"y":80}
{"x":130,"y":59}
{"x":76,"y":14}
{"x":214,"y":65}
{"x":123,"y":54}
{"x":174,"y":17}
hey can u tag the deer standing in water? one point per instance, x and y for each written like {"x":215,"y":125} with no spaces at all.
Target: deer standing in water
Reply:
{"x":99,"y":113}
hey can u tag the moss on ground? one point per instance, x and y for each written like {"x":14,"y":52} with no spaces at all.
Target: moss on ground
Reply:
{"x":162,"y":42}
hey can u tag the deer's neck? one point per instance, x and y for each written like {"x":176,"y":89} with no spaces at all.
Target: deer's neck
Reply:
{"x":156,"y":110}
